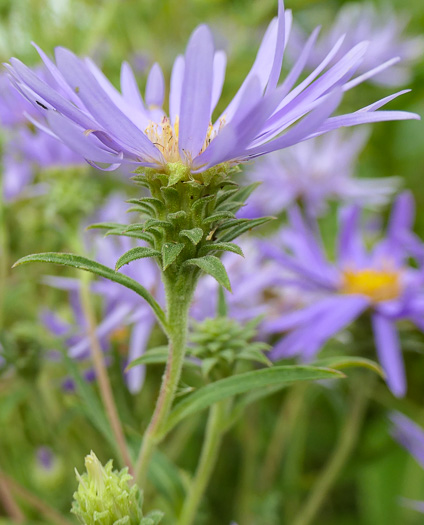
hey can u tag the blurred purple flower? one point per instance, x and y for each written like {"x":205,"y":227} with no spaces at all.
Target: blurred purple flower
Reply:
{"x":364,"y":22}
{"x":25,"y":149}
{"x":314,"y":173}
{"x":121,"y":307}
{"x":411,"y":437}
{"x":79,"y":105}
{"x":45,"y":457}
{"x":379,"y":281}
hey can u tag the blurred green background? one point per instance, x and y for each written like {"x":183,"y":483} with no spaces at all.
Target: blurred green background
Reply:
{"x":33,"y":412}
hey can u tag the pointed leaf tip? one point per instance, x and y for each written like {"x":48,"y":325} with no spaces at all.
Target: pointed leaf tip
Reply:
{"x":214,"y":267}
{"x":140,"y":252}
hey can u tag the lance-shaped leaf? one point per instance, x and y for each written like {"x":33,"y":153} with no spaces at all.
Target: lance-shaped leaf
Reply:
{"x":82,"y":263}
{"x":194,"y":235}
{"x":241,"y":226}
{"x":106,"y":226}
{"x":214,"y":267}
{"x":144,"y":236}
{"x":170,"y":251}
{"x":223,"y":247}
{"x":139,"y":252}
{"x":242,"y":383}
{"x":219,"y":217}
{"x":345,"y":361}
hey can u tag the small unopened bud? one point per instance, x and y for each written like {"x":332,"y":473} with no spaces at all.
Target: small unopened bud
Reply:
{"x":106,"y":497}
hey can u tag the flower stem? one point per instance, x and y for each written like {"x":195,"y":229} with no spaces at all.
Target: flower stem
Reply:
{"x":105,"y":388}
{"x":207,"y":461}
{"x":9,"y":503}
{"x":342,"y":452}
{"x":179,"y":292}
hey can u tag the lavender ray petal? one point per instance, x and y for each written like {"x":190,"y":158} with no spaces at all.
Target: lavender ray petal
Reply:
{"x":195,"y":113}
{"x":177,"y":77}
{"x":389,"y":353}
{"x":155,"y":87}
{"x":79,"y":77}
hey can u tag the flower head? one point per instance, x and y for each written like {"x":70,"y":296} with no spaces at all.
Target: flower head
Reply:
{"x":379,"y":281}
{"x":383,"y":28}
{"x":313,"y":173}
{"x":79,"y":106}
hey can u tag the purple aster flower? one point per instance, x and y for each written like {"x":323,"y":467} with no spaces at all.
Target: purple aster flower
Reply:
{"x":382,"y":28}
{"x":313,"y":173}
{"x":79,"y":105}
{"x":123,"y":312}
{"x":26,"y":149}
{"x":411,"y":437}
{"x":379,"y":281}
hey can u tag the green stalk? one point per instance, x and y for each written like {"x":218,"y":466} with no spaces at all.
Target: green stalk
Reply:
{"x":179,"y":292}
{"x":346,"y":444}
{"x":207,"y":461}
{"x":289,"y":412}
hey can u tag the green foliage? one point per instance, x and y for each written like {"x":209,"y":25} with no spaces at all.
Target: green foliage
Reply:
{"x":242,"y":383}
{"x":212,"y":266}
{"x":82,"y":263}
{"x":139,"y":252}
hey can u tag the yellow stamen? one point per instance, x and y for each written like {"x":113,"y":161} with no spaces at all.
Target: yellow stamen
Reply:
{"x":378,"y":285}
{"x":165,"y":137}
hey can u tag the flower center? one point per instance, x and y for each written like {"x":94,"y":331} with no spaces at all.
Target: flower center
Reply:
{"x":378,"y":285}
{"x":165,"y":137}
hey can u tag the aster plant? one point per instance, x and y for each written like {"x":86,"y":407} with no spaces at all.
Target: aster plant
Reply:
{"x":186,"y":161}
{"x":379,"y":282}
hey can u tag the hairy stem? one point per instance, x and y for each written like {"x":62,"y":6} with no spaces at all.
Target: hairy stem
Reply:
{"x":105,"y":388}
{"x":179,"y":292}
{"x":207,"y":461}
{"x":346,"y":443}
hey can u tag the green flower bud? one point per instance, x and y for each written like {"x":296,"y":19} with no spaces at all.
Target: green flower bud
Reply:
{"x":107,"y":497}
{"x":221,"y":342}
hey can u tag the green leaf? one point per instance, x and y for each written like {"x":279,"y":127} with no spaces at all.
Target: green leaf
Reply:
{"x":170,"y":251}
{"x":82,"y":263}
{"x":199,"y":205}
{"x":194,"y":235}
{"x":214,"y":267}
{"x":155,"y":223}
{"x":222,"y":246}
{"x":225,"y":195}
{"x":219,"y":217}
{"x":106,"y":226}
{"x":341,"y":362}
{"x":242,"y":227}
{"x":144,"y":236}
{"x":242,"y":383}
{"x":140,"y":252}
